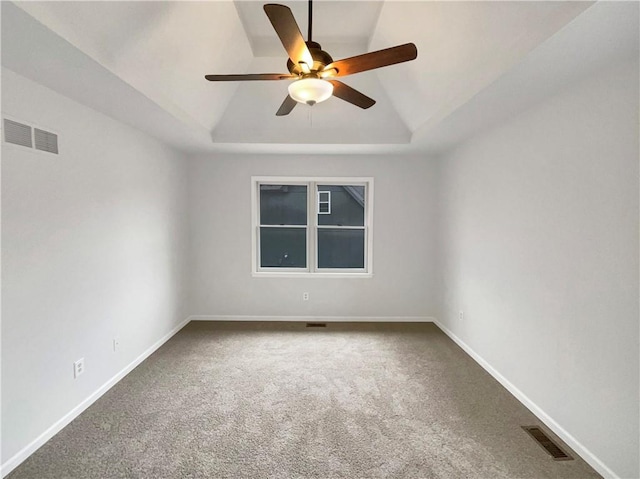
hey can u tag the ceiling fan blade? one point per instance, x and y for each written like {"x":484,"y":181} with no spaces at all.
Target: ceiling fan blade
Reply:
{"x":287,"y":29}
{"x":377,"y":59}
{"x":351,"y":95}
{"x":287,"y":105}
{"x":250,"y":76}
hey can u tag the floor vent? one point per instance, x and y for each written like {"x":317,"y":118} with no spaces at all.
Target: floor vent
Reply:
{"x":547,"y":444}
{"x":316,"y":325}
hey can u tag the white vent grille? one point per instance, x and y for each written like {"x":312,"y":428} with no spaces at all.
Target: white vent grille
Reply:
{"x":46,"y":141}
{"x":17,"y":133}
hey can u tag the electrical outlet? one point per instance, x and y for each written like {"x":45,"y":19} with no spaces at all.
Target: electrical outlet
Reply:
{"x":461,"y":315}
{"x":78,"y":368}
{"x":116,"y":344}
{"x":305,"y":296}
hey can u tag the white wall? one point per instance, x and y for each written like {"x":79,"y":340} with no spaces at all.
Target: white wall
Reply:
{"x":539,"y":247}
{"x":93,"y":246}
{"x":404,"y":274}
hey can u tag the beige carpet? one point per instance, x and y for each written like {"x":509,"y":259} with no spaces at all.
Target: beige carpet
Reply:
{"x":277,"y":400}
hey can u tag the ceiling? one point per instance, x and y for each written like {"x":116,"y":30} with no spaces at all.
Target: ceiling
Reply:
{"x":144,"y":63}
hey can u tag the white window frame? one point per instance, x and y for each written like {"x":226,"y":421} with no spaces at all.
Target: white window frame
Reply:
{"x":312,"y":270}
{"x":324,"y":202}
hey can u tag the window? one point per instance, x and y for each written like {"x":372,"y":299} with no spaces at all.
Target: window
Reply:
{"x":312,"y":226}
{"x":324,"y":202}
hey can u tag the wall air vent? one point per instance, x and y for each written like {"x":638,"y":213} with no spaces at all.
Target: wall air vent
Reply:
{"x":316,"y":325}
{"x":46,"y":141}
{"x":17,"y":133}
{"x":547,"y":444}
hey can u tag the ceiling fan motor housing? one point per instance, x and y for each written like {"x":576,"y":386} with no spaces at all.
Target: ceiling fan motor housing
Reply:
{"x":320,"y":60}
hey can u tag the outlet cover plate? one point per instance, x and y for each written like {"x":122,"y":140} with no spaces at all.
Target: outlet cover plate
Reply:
{"x":78,"y":368}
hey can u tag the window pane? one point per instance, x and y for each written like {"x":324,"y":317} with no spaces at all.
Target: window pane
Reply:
{"x":338,"y":248}
{"x":283,"y":205}
{"x":283,"y":247}
{"x":347,"y":206}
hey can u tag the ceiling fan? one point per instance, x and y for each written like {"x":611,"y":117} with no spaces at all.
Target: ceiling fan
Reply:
{"x":313,"y":69}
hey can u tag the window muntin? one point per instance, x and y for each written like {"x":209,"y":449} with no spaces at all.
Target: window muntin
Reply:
{"x":312,"y":226}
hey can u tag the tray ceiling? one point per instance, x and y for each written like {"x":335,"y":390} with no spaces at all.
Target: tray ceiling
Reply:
{"x":156,"y":55}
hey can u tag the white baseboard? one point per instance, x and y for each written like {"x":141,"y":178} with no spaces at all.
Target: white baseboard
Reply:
{"x":32,"y":447}
{"x":328,"y":319}
{"x":562,"y":433}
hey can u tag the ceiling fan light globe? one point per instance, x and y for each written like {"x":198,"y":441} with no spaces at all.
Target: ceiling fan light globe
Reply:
{"x":310,"y":90}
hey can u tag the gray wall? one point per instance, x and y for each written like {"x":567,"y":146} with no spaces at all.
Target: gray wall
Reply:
{"x":404,"y":278}
{"x":93,"y":247}
{"x":539,"y":247}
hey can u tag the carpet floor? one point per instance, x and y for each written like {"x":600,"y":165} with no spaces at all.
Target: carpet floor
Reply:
{"x":278,"y":400}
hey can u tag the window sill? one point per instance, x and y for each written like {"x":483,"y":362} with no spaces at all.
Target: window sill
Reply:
{"x":306,"y":274}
